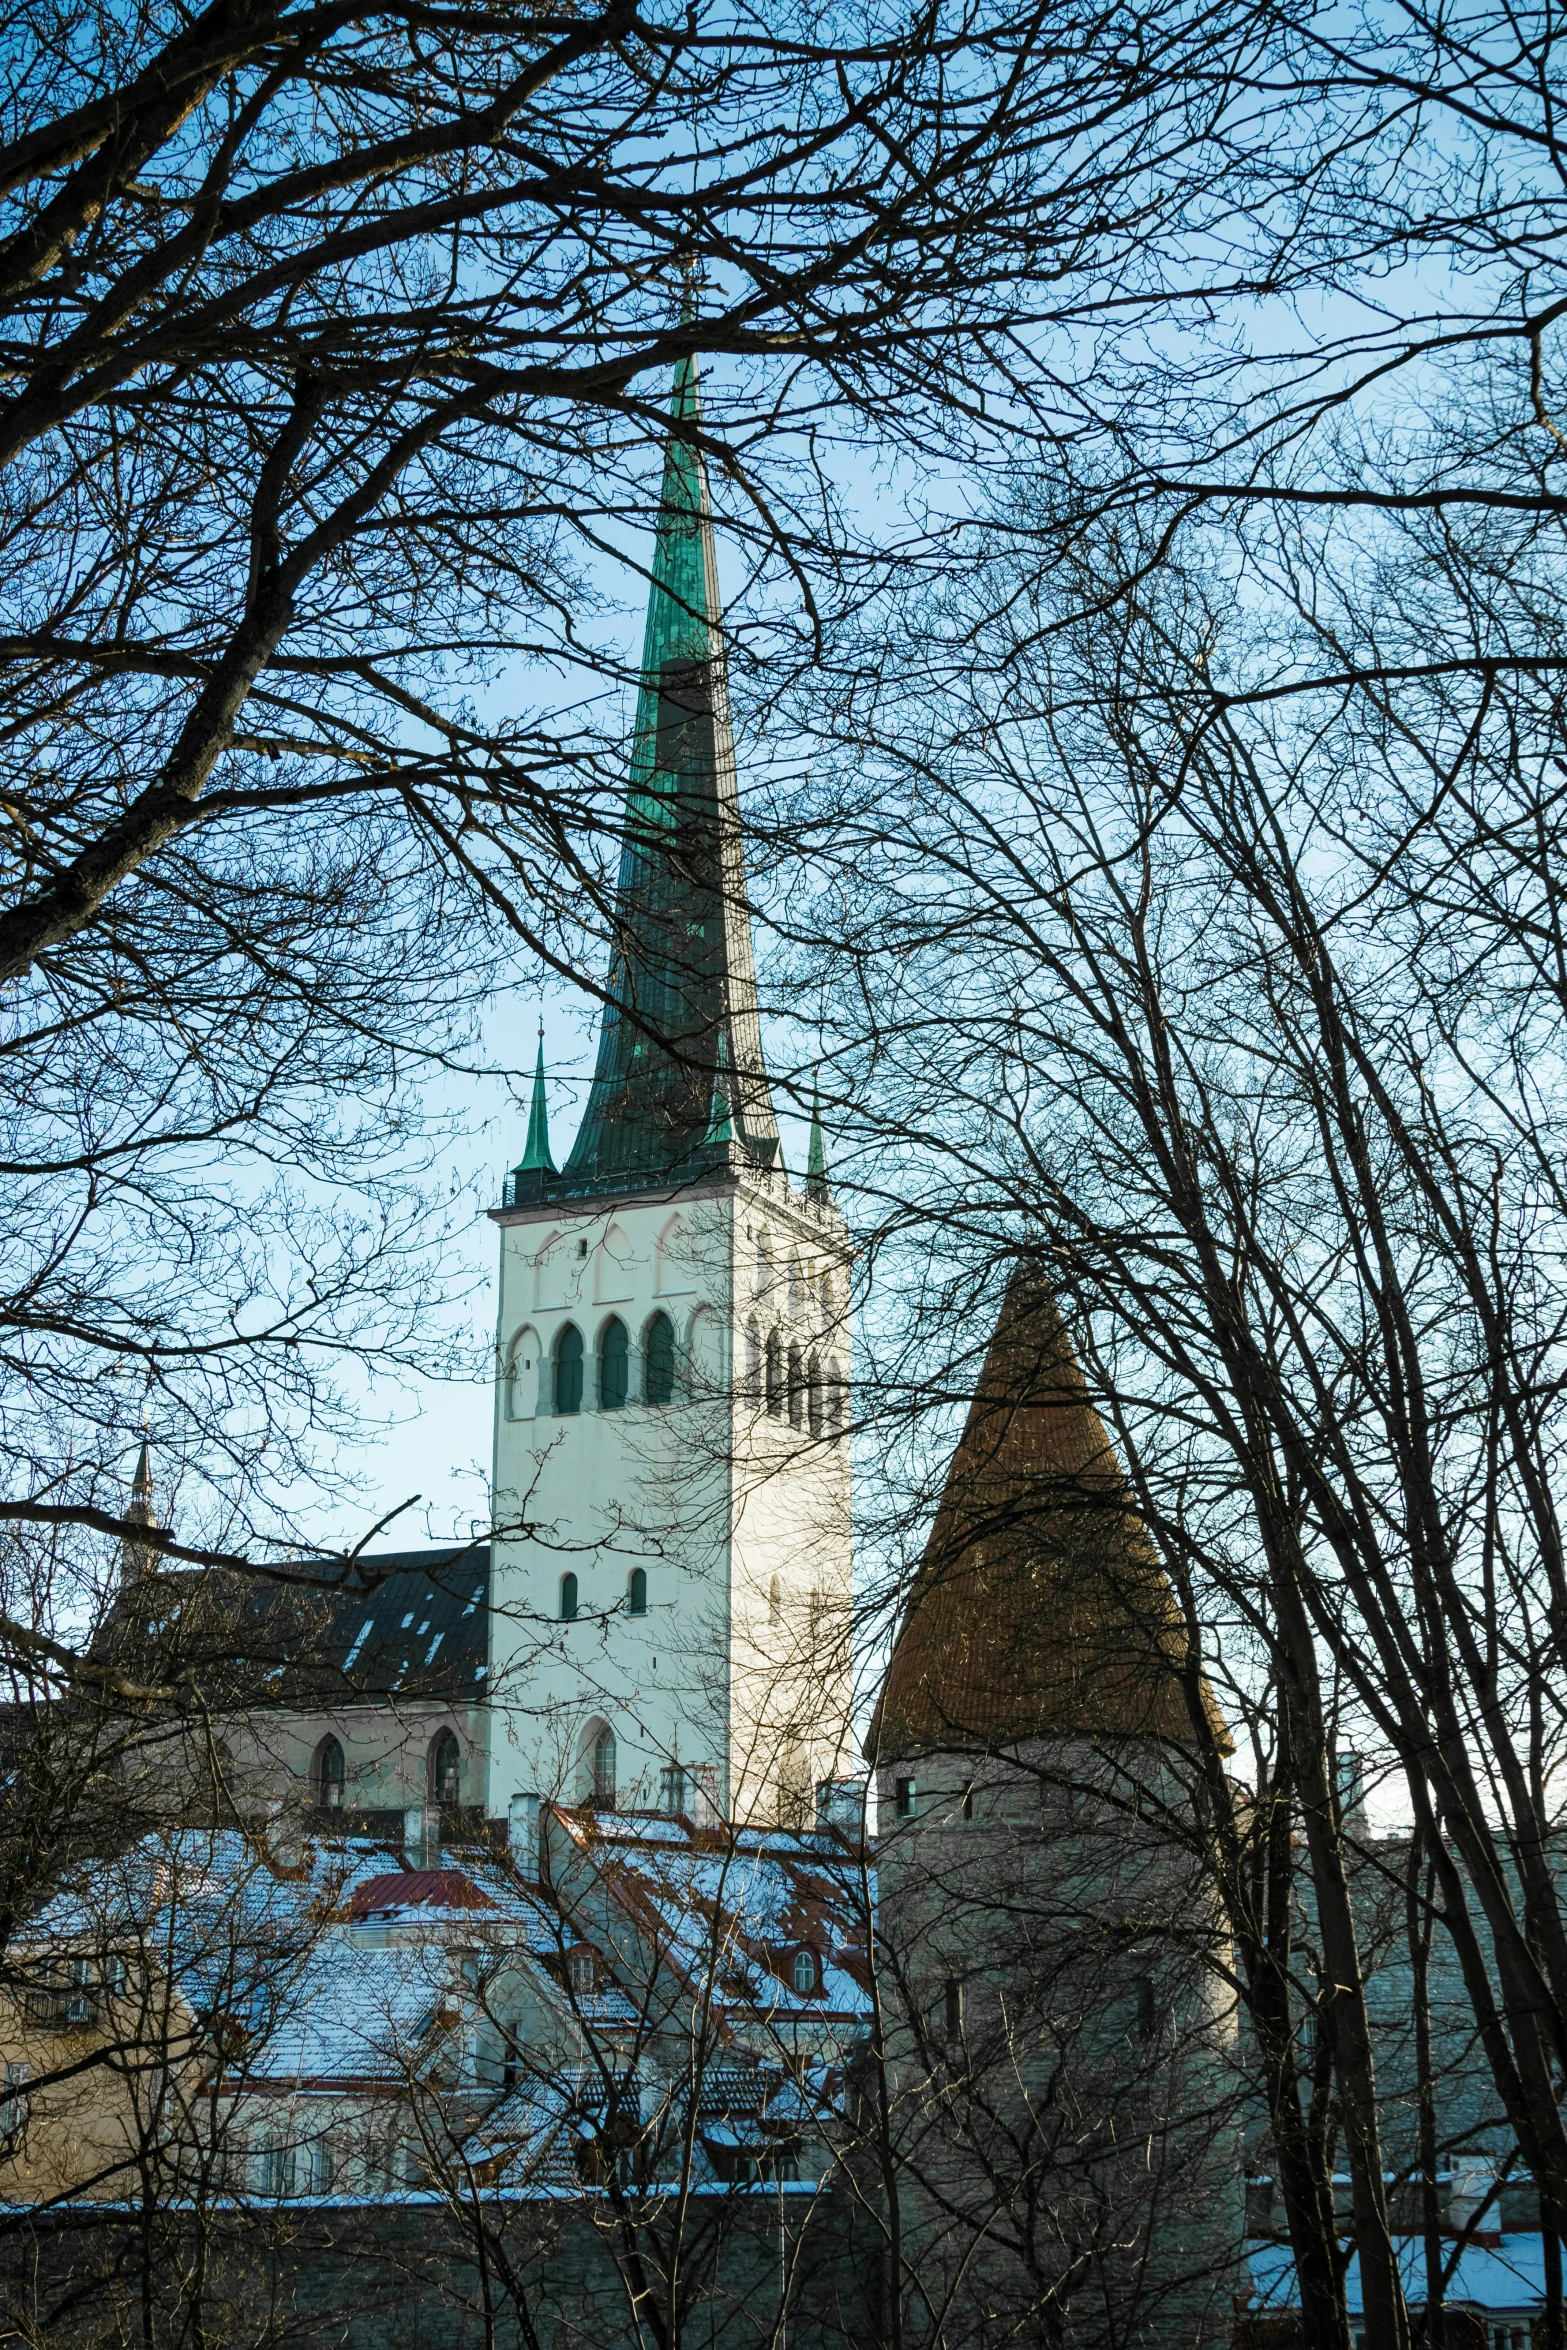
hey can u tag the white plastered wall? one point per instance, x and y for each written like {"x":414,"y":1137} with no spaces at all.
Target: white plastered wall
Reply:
{"x":738,"y":1520}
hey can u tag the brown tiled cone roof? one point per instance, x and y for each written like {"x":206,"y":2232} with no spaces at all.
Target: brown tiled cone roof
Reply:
{"x":1039,"y":1608}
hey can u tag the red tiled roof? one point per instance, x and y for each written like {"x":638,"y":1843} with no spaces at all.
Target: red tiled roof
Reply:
{"x":1039,"y":1608}
{"x":417,"y":1889}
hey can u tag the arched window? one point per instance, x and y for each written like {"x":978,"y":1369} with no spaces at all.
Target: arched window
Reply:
{"x":603,"y":1796}
{"x":753,"y":1364}
{"x":568,"y":1370}
{"x":775,"y":1379}
{"x":614,"y":1365}
{"x":658,"y":1356}
{"x":813,"y":1395}
{"x":775,"y":1601}
{"x":568,"y":1598}
{"x":837,"y":1402}
{"x":803,"y":1973}
{"x":636,"y":1592}
{"x":327,"y":1774}
{"x":446,"y":1768}
{"x":796,"y":1388}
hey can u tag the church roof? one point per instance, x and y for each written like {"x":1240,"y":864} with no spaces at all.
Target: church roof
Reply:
{"x":682,"y":983}
{"x":1039,"y":1608}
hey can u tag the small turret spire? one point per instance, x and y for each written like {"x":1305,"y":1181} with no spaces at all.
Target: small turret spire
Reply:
{"x":536,"y":1150}
{"x":138,"y":1559}
{"x":816,"y":1157}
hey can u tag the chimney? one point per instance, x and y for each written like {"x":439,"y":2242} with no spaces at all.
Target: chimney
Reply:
{"x":422,"y":1835}
{"x":523,"y":1834}
{"x":702,"y":1795}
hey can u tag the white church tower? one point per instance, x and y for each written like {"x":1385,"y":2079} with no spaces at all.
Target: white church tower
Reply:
{"x":669,"y":1604}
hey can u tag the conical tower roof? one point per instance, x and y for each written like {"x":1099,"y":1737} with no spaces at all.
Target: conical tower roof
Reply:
{"x":682,"y":984}
{"x":1039,"y":1609}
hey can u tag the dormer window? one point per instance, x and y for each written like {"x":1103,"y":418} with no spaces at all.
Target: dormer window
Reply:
{"x":804,"y":1974}
{"x":582,"y":1966}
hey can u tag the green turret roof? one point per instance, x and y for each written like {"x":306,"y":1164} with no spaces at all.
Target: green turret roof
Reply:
{"x":536,"y":1150}
{"x":681,"y":1024}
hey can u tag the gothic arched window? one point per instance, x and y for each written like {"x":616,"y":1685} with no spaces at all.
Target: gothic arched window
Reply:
{"x":658,"y":1357}
{"x":796,"y":1388}
{"x":327,"y":1774}
{"x":604,"y":1770}
{"x":568,"y":1370}
{"x":813,"y":1395}
{"x":775,"y":1380}
{"x":753,"y":1364}
{"x":614,"y":1365}
{"x":568,"y":1598}
{"x":636,"y":1592}
{"x":446,"y":1768}
{"x":837,"y":1402}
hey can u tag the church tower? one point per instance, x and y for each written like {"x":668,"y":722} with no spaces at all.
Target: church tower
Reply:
{"x":670,"y":1584}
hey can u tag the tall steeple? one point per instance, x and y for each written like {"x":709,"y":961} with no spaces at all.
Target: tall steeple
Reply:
{"x":681,"y":1020}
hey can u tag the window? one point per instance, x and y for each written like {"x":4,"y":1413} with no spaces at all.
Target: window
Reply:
{"x":636,"y":1592}
{"x":568,"y":1370}
{"x":658,"y":1377}
{"x":614,"y":1365}
{"x":813,"y":1395}
{"x":327,"y":1774}
{"x":582,"y":1964}
{"x":803,"y":1973}
{"x":905,"y":1798}
{"x":952,"y":2008}
{"x":753,"y":1364}
{"x":321,"y":2169}
{"x":672,"y":1789}
{"x":568,"y":1598}
{"x":604,"y":1771}
{"x":775,"y":1397}
{"x":764,"y":1271}
{"x":796,"y":1387}
{"x":582,"y":1249}
{"x":446,"y":1768}
{"x":837,"y":1402}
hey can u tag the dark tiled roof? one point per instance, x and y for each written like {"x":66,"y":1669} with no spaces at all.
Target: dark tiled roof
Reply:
{"x":1039,"y":1608}
{"x":406,"y":1623}
{"x":412,"y":1623}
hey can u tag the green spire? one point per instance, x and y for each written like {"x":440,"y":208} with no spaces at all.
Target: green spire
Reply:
{"x":816,"y":1157}
{"x":720,"y":1127}
{"x":681,"y":985}
{"x":536,"y":1150}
